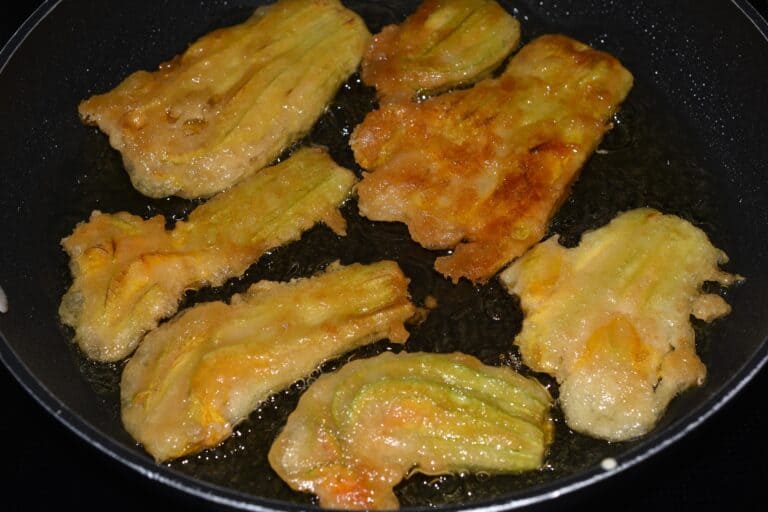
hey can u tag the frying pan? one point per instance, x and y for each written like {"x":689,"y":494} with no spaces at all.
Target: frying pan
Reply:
{"x":698,"y":104}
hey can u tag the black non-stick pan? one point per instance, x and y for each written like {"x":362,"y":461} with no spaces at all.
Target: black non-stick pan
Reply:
{"x":690,"y":140}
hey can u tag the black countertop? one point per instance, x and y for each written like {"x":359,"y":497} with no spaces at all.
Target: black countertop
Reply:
{"x":721,"y":464}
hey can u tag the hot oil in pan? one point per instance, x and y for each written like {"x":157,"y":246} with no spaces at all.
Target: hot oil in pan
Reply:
{"x":648,"y":159}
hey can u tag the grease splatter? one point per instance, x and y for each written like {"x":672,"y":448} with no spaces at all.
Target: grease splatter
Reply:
{"x":3,"y":301}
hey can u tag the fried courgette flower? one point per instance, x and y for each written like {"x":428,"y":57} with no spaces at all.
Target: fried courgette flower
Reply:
{"x":196,"y":377}
{"x":481,"y":171}
{"x":129,"y":273}
{"x":610,"y":318}
{"x":233,"y":101}
{"x":358,"y":432}
{"x":443,"y":44}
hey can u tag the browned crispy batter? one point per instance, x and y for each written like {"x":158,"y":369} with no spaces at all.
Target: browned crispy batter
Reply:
{"x":233,"y":101}
{"x":443,"y":44}
{"x":483,"y":170}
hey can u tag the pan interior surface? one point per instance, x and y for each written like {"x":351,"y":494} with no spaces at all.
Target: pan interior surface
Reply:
{"x":684,"y":142}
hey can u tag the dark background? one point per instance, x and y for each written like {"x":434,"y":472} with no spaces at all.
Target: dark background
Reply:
{"x":721,"y":464}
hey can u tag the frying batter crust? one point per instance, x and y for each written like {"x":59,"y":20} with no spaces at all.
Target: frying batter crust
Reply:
{"x":196,"y":377}
{"x":443,"y":44}
{"x":129,"y":273}
{"x":358,"y":432}
{"x":610,"y":318}
{"x":233,"y":101}
{"x":481,"y":171}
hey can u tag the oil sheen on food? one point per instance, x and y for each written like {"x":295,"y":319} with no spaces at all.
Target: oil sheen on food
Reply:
{"x":650,"y":159}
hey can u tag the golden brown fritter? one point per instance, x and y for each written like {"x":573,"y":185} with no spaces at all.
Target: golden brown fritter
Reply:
{"x":196,"y":377}
{"x":233,"y":101}
{"x":129,"y":273}
{"x":445,"y":43}
{"x":610,"y":318}
{"x":481,"y":171}
{"x":358,"y":432}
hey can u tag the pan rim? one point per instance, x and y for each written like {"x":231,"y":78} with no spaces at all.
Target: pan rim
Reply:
{"x":219,"y":495}
{"x":213,"y":493}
